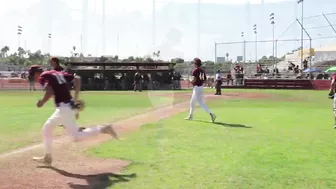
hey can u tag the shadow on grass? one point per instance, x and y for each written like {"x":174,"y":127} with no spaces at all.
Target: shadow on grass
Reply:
{"x":226,"y":124}
{"x":101,"y":180}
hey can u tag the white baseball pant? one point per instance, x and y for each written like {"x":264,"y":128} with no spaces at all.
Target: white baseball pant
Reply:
{"x":197,"y":95}
{"x":66,"y":116}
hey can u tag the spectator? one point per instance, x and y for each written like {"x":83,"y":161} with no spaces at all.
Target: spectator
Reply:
{"x":175,"y":80}
{"x":259,"y":68}
{"x":276,"y":70}
{"x":237,"y":68}
{"x":137,"y":82}
{"x":296,"y":69}
{"x":267,"y":70}
{"x":290,"y":66}
{"x":241,"y":69}
{"x":229,"y":78}
{"x":305,"y":64}
{"x":31,"y":79}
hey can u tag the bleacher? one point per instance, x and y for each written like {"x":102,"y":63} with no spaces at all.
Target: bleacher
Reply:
{"x":278,"y":84}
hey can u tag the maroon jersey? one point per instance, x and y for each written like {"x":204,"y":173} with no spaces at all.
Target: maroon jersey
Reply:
{"x":58,"y":81}
{"x":59,"y":68}
{"x":200,"y":76}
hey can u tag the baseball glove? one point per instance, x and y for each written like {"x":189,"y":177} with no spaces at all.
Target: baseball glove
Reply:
{"x":78,"y":105}
{"x":331,"y":95}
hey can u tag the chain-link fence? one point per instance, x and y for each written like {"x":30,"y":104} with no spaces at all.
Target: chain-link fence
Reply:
{"x":286,"y":54}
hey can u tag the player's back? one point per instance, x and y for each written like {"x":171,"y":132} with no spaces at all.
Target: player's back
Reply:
{"x":58,"y":81}
{"x":200,"y":76}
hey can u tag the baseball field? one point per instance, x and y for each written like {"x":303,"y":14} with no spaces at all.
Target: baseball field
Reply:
{"x":261,"y":139}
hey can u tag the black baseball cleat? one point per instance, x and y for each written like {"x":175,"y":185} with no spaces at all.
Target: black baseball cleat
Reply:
{"x":108,"y":129}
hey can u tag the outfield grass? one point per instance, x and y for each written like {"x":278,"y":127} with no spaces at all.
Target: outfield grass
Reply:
{"x":267,"y":143}
{"x":21,"y":121}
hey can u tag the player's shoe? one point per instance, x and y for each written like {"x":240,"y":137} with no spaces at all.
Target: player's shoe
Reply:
{"x":334,"y":126}
{"x":46,"y":160}
{"x":213,"y":117}
{"x":190,"y":117}
{"x":108,"y":129}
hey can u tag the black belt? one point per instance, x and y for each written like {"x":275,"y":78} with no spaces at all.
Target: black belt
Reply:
{"x":65,"y":102}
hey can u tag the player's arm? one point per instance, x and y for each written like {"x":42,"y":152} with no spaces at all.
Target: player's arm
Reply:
{"x":47,"y":95}
{"x":193,"y":77}
{"x":77,"y":83}
{"x":332,"y":86}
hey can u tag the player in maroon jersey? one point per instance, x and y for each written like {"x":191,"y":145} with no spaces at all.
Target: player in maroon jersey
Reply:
{"x":199,"y":77}
{"x":56,"y":84}
{"x":332,"y":94}
{"x":55,"y":63}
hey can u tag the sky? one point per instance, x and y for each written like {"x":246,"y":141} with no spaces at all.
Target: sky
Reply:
{"x":128,"y":27}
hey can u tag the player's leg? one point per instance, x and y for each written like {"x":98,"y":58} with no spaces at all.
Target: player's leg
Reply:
{"x":199,"y":97}
{"x":69,"y":122}
{"x":192,"y":105}
{"x":334,"y":109}
{"x":48,"y":127}
{"x":30,"y":85}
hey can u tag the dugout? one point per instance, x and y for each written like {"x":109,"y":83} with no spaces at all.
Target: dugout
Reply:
{"x":120,"y":75}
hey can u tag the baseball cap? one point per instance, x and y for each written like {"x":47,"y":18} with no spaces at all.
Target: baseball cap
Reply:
{"x":197,"y":61}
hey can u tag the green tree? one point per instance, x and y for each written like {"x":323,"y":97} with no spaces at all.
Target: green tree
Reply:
{"x":21,"y":51}
{"x":131,"y":58}
{"x":4,"y":51}
{"x":177,"y":60}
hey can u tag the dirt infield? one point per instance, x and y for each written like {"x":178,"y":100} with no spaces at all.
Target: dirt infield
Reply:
{"x":72,"y":169}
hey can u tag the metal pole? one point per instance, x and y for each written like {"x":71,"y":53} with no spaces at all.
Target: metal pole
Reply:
{"x":103,"y":29}
{"x":154,"y":24}
{"x":273,"y":49}
{"x":49,"y":45}
{"x":215,"y":53}
{"x":118,"y":44}
{"x":256,"y":47}
{"x":198,"y":27}
{"x":276,"y":48}
{"x":19,"y":41}
{"x":302,"y":34}
{"x":81,"y":43}
{"x":310,"y":54}
{"x":332,"y":27}
{"x":244,"y":51}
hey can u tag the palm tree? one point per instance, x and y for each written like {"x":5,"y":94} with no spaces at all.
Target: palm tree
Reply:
{"x":4,"y":51}
{"x":227,"y":56}
{"x":21,"y":51}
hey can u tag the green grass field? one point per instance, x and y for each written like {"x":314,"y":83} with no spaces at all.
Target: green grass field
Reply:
{"x":283,"y":142}
{"x":21,"y":121}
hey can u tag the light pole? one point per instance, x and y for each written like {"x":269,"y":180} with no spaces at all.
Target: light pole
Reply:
{"x":19,"y":33}
{"x":49,"y":43}
{"x":301,"y":1}
{"x":256,"y":44}
{"x":118,"y":44}
{"x":154,"y":24}
{"x":103,"y":29}
{"x":273,"y":25}
{"x":198,"y":27}
{"x":244,"y":52}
